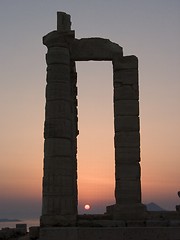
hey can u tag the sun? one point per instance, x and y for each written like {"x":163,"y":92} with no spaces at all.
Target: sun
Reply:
{"x":87,"y":207}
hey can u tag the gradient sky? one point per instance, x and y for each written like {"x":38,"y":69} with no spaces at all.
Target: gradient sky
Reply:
{"x":147,"y":29}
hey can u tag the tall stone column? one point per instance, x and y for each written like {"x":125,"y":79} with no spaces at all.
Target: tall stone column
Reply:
{"x":127,"y":139}
{"x":60,"y":131}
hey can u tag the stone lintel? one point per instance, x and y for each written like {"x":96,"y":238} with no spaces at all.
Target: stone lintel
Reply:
{"x":98,"y":49}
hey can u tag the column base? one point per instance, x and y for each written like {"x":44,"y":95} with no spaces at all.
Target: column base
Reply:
{"x":58,"y":220}
{"x":178,"y":208}
{"x":136,"y":211}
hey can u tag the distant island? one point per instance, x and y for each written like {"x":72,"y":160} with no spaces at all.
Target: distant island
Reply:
{"x":154,"y":207}
{"x":9,"y":220}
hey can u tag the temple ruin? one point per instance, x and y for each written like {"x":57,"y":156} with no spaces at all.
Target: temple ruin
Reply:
{"x":59,"y":210}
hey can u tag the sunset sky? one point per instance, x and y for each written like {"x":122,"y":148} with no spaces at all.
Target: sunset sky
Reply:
{"x":148,"y":29}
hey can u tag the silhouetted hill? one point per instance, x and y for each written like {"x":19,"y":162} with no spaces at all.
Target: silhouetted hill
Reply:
{"x":154,"y":207}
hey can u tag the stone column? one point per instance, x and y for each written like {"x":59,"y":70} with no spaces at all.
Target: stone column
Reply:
{"x":127,"y":139}
{"x":60,"y":165}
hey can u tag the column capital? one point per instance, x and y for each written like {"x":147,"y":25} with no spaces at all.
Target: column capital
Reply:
{"x":58,"y":39}
{"x":126,"y":62}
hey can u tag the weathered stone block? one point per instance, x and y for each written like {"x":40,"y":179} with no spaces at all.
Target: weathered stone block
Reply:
{"x":127,"y":139}
{"x":57,"y":220}
{"x":86,"y":49}
{"x":128,"y":191}
{"x":127,"y":155}
{"x":21,"y":228}
{"x":126,"y":123}
{"x":157,"y":223}
{"x":58,"y":55}
{"x":48,"y":203}
{"x":125,"y":196}
{"x":133,"y":213}
{"x":58,"y":73}
{"x":57,"y":128}
{"x":135,"y":223}
{"x":126,"y":77}
{"x":66,"y":168}
{"x":59,"y":185}
{"x":55,"y":163}
{"x":59,"y":204}
{"x":57,"y":147}
{"x":58,"y":109}
{"x":128,"y":171}
{"x":178,"y":208}
{"x":125,"y":63}
{"x":126,"y":92}
{"x":55,"y":91}
{"x":34,"y":232}
{"x":126,"y":108}
{"x":68,"y":205}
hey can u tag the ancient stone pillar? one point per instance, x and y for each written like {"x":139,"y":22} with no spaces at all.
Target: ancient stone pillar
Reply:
{"x":60,"y":130}
{"x":127,"y":139}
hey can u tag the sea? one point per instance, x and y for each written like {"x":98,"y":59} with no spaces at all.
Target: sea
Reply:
{"x":29,"y":222}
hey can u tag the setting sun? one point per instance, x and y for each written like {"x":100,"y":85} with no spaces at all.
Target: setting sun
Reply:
{"x":87,"y":207}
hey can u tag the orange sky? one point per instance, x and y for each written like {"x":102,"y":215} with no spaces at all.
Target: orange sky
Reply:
{"x":147,"y":29}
